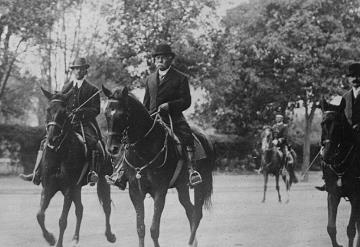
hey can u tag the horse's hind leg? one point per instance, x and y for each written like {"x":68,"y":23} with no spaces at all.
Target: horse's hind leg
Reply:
{"x":76,"y":197}
{"x":184,"y":198}
{"x":103,"y":191}
{"x":159,"y":203}
{"x":333,"y":203}
{"x":278,"y":187}
{"x":46,"y":196}
{"x":137,"y":198}
{"x":266,"y":178}
{"x":63,"y":217}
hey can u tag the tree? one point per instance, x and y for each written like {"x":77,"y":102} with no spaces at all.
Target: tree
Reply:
{"x":282,"y":53}
{"x":22,"y":25}
{"x":135,"y":27}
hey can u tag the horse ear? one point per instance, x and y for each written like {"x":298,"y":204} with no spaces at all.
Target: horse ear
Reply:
{"x":47,"y":94}
{"x":106,"y":91}
{"x":324,"y":105}
{"x":125,"y":91}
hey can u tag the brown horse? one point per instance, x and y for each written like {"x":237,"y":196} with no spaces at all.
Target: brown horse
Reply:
{"x":341,"y":169}
{"x":153,"y":163}
{"x":62,"y":163}
{"x":273,"y":163}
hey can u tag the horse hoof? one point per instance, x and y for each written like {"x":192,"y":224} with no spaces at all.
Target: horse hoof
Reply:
{"x":110,"y":237}
{"x":75,"y":241}
{"x":49,"y":237}
{"x":194,"y":244}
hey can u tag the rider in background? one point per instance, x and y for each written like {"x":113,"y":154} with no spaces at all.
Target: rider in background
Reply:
{"x":281,"y":140}
{"x":84,"y":103}
{"x":350,"y":105}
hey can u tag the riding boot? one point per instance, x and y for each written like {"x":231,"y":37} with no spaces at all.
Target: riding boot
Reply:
{"x":194,"y":176}
{"x":118,"y":178}
{"x":35,"y":176}
{"x":321,"y":188}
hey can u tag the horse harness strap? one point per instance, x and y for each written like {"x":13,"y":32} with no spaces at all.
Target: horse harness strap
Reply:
{"x":147,"y":164}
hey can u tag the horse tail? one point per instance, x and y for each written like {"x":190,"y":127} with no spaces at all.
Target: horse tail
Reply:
{"x":207,"y":169}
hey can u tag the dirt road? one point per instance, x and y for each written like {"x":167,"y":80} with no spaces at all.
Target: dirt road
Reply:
{"x":238,"y":218}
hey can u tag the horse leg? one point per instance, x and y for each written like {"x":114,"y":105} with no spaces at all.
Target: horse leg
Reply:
{"x":137,"y":199}
{"x":266,"y":177}
{"x":76,"y":197}
{"x":287,"y":186}
{"x":46,"y":195}
{"x":103,"y":191}
{"x":185,"y":201}
{"x":277,"y":186}
{"x":63,"y":217}
{"x":333,"y":203}
{"x":159,"y":203}
{"x":354,"y":221}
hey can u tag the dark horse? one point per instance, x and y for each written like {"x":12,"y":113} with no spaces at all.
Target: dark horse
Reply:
{"x":153,"y":164}
{"x":341,"y":169}
{"x":272,"y":163}
{"x":62,"y":163}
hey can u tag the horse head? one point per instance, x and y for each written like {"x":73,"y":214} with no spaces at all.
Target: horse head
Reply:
{"x":56,"y":117}
{"x":125,"y":117}
{"x":332,"y":131}
{"x":266,"y":138}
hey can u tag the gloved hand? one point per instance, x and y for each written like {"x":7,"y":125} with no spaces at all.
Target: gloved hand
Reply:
{"x":164,"y":108}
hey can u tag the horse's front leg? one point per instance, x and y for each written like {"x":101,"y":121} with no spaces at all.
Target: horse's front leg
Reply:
{"x":63,"y":217}
{"x":46,"y":194}
{"x":159,"y":203}
{"x":137,"y":198}
{"x":277,"y":186}
{"x":103,"y":191}
{"x":333,"y":203}
{"x":266,"y":178}
{"x":76,"y":197}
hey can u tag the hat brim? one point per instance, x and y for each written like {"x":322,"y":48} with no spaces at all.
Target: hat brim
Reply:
{"x":161,"y":53}
{"x":86,"y":66}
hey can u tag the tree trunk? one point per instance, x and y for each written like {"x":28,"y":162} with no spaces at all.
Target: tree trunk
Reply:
{"x":306,"y":149}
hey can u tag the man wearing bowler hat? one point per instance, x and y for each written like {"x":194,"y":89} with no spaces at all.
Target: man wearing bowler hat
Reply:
{"x":350,"y":105}
{"x":167,"y":92}
{"x":84,"y":103}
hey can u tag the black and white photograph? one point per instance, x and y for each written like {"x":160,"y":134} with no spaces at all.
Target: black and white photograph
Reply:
{"x":198,"y":123}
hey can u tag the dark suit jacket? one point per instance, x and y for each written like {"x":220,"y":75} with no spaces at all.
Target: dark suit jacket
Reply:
{"x":351,"y":107}
{"x":91,"y":109}
{"x":174,"y":90}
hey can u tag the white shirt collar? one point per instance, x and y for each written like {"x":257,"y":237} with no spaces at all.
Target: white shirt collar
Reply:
{"x":78,"y":82}
{"x":356,"y":92}
{"x":162,"y":73}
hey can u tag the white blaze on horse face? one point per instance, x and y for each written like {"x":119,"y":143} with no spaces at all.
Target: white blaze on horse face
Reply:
{"x":112,"y":113}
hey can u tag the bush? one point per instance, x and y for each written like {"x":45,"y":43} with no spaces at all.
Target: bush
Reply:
{"x":28,"y":138}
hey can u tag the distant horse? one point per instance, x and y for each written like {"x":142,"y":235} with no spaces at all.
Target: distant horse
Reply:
{"x":273,"y":163}
{"x":341,"y":170}
{"x":153,"y":163}
{"x":62,"y":163}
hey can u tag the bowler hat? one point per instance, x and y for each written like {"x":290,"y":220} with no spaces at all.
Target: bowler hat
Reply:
{"x":79,"y":63}
{"x":162,"y":49}
{"x":354,"y":70}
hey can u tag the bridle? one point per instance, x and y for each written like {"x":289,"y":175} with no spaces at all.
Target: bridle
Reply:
{"x":132,"y":145}
{"x":60,"y":126}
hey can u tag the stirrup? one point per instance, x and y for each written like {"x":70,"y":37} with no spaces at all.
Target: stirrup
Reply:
{"x":92,"y":178}
{"x":111,"y":179}
{"x":194,"y":178}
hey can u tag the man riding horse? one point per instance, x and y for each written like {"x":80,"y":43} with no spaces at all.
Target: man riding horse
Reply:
{"x":350,"y":106}
{"x":280,"y":140}
{"x":167,"y":92}
{"x":84,"y":105}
